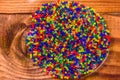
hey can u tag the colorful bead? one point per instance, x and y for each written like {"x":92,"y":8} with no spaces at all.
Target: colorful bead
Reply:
{"x":67,"y":40}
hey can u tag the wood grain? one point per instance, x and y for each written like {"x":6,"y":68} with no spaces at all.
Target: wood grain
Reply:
{"x":16,"y":65}
{"x":14,"y":60}
{"x":29,"y":6}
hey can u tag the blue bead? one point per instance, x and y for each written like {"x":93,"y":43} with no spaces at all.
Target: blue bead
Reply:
{"x":51,"y":12}
{"x":37,"y":24}
{"x":33,"y":59}
{"x":78,"y":34}
{"x":99,"y":62}
{"x":64,"y":53}
{"x":37,"y":11}
{"x":103,"y":55}
{"x":49,"y":55}
{"x":46,"y":44}
{"x":40,"y":64}
{"x":85,"y":11}
{"x":53,"y":69}
{"x":54,"y":35}
{"x":60,"y":47}
{"x":45,"y":4}
{"x":79,"y":76}
{"x":38,"y":20}
{"x":72,"y":72}
{"x":78,"y":9}
{"x":74,"y":4}
{"x":64,"y":3}
{"x":63,"y":33}
{"x":81,"y":16}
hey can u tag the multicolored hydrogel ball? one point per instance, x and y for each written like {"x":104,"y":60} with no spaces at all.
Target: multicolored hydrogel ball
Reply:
{"x":67,"y":40}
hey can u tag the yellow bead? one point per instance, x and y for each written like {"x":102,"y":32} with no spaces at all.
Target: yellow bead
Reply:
{"x":30,"y":16}
{"x":35,"y":53}
{"x":63,"y":50}
{"x":66,"y":68}
{"x":54,"y":8}
{"x":36,"y":43}
{"x":30,"y":56}
{"x":39,"y":54}
{"x":108,"y":31}
{"x":36,"y":59}
{"x":77,"y":30}
{"x":63,"y":6}
{"x":62,"y":0}
{"x":81,"y":49}
{"x":36,"y":62}
{"x":48,"y":19}
{"x":65,"y":77}
{"x":61,"y":76}
{"x":44,"y":70}
{"x":79,"y":57}
{"x":75,"y":77}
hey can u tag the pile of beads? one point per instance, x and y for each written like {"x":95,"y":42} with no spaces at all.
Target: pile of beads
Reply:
{"x":67,"y":40}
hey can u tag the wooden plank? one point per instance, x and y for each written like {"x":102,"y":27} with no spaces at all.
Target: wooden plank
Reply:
{"x":113,"y":23}
{"x":29,"y":6}
{"x":15,"y":65}
{"x":99,"y":76}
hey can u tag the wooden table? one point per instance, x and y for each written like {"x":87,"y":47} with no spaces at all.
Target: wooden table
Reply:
{"x":14,"y":19}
